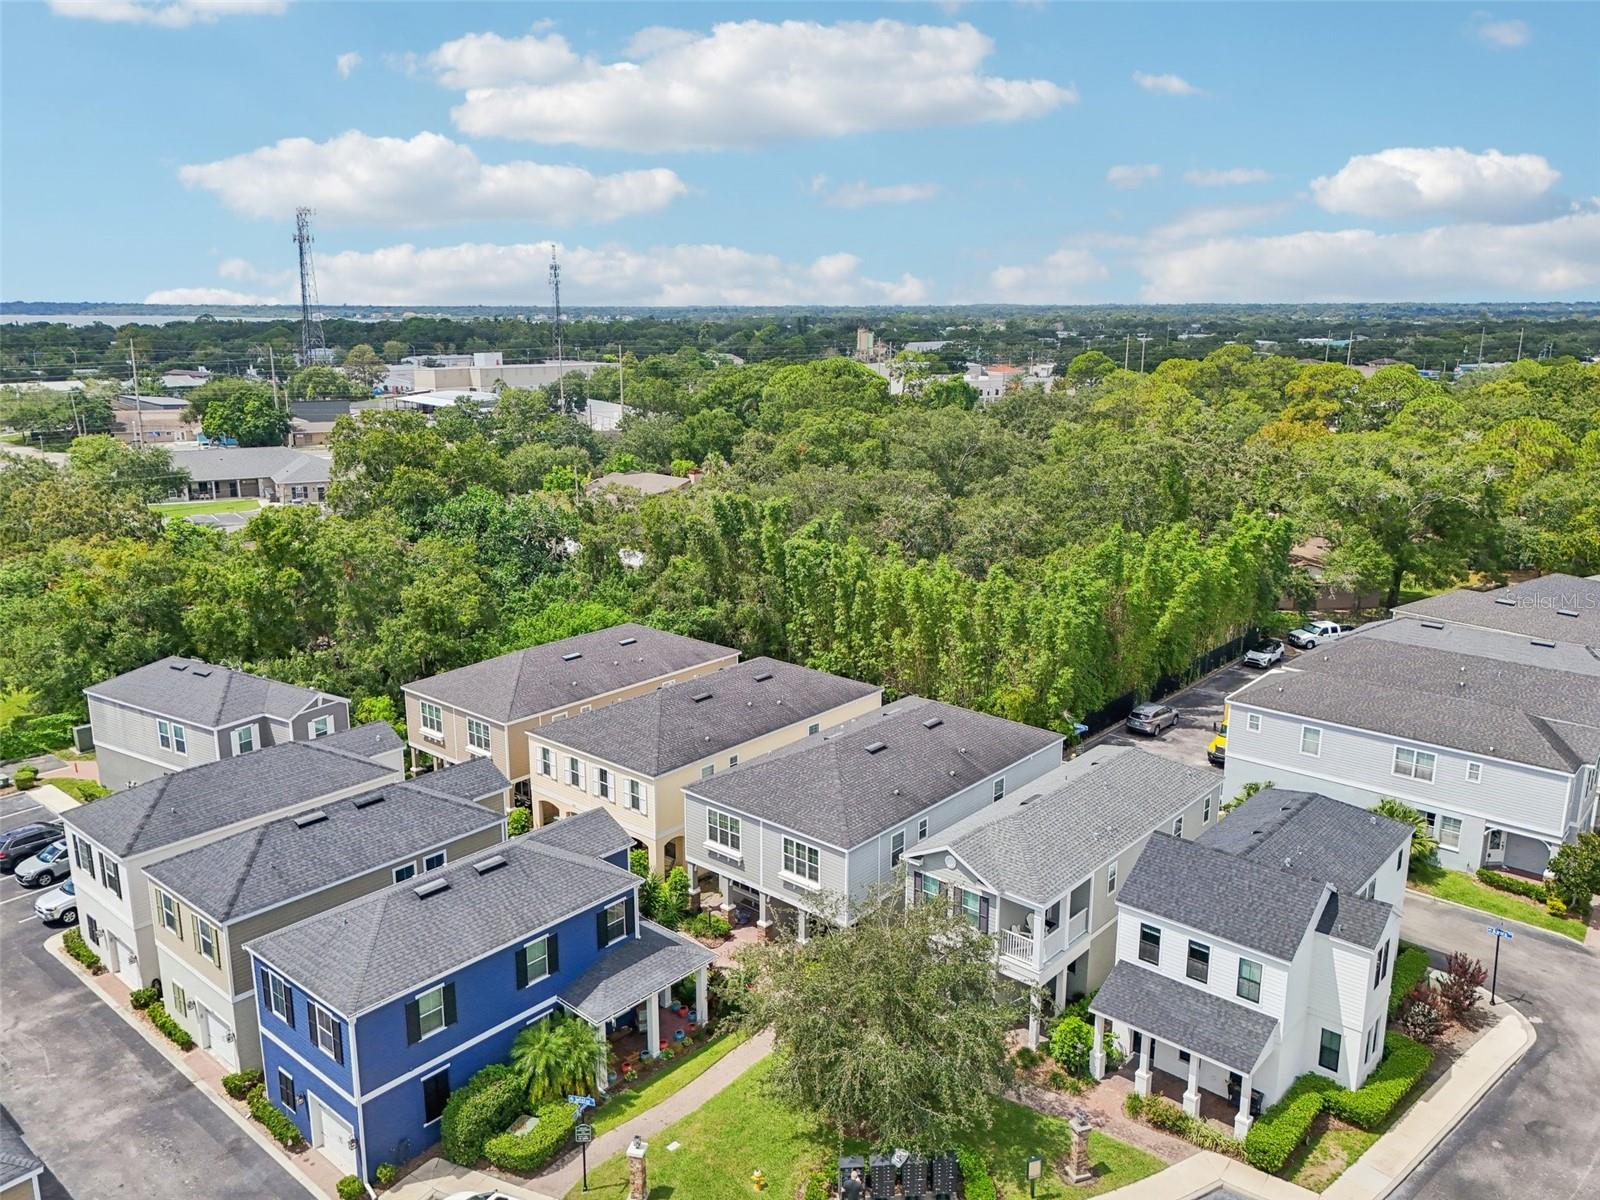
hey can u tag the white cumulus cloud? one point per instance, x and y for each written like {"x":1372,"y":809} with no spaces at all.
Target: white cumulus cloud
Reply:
{"x":1058,"y":278}
{"x":1165,"y":85}
{"x":1469,"y":261}
{"x":862,"y":195}
{"x":1226,"y":176}
{"x":743,"y":84}
{"x":422,"y":181}
{"x":1132,"y":175}
{"x":1211,"y":222}
{"x":487,"y":273}
{"x":209,"y":295}
{"x":347,"y":63}
{"x":1416,"y":181}
{"x":168,"y":14}
{"x":1501,"y":35}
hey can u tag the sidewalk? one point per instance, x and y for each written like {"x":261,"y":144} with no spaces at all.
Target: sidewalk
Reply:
{"x":560,"y":1179}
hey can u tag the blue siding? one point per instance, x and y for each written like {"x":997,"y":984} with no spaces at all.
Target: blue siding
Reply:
{"x":298,"y":1039}
{"x":305,"y":1082}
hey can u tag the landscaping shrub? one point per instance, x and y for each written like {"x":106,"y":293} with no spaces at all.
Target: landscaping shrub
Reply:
{"x":162,"y":1020}
{"x":1278,"y":1132}
{"x":816,"y":1186}
{"x":273,"y":1117}
{"x":525,"y":1153}
{"x":240,"y":1084}
{"x":1556,"y":906}
{"x":74,"y":945}
{"x":1133,"y":1105}
{"x":1070,"y":1084}
{"x":1165,"y":1115}
{"x":1422,"y":1014}
{"x":518,"y":822}
{"x":1575,"y":873}
{"x":25,"y":776}
{"x":27,"y":736}
{"x":1026,"y":1058}
{"x":976,"y":1182}
{"x":708,"y":925}
{"x":143,"y":998}
{"x":1510,"y":883}
{"x":1404,"y":1063}
{"x":350,"y":1188}
{"x":1463,"y":976}
{"x":1071,"y":1042}
{"x":477,"y":1111}
{"x":1410,"y":969}
{"x":387,"y":1173}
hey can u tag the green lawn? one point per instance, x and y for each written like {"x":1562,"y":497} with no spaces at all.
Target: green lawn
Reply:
{"x":81,"y":790}
{"x":624,"y":1104}
{"x":185,"y":508}
{"x":1327,"y":1156}
{"x":1466,"y":889}
{"x":742,"y":1128}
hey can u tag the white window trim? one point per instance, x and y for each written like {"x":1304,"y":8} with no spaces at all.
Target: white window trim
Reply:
{"x":575,"y":773}
{"x":545,"y":942}
{"x":473,"y":725}
{"x":922,"y":829}
{"x":1252,"y":722}
{"x":1444,"y":845}
{"x":1177,"y":826}
{"x":622,"y":935}
{"x":410,"y":870}
{"x":897,"y":851}
{"x":547,"y":762}
{"x":316,"y":1013}
{"x":1111,"y":878}
{"x":636,"y":800}
{"x":602,"y":783}
{"x":733,"y":828}
{"x":435,"y":724}
{"x":442,"y":855}
{"x":791,"y":852}
{"x":1474,"y":772}
{"x":434,"y":991}
{"x":239,"y":735}
{"x":275,"y":982}
{"x":321,"y":727}
{"x":215,"y":956}
{"x":1316,"y":729}
{"x":1411,"y":772}
{"x":422,"y":1081}
{"x":177,"y":916}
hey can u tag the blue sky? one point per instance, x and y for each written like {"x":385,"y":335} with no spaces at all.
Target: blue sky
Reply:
{"x":772,"y":153}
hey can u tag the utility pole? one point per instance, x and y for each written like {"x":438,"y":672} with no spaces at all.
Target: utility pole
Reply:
{"x":1520,"y":332}
{"x":555,"y":292}
{"x":1127,"y":349}
{"x":1350,"y":349}
{"x":622,"y":379}
{"x":138,"y":407}
{"x":1482,"y":333}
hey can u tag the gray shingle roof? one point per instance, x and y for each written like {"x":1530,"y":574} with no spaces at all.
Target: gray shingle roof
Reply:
{"x":671,"y":727}
{"x":1312,"y":834}
{"x":518,"y":685}
{"x":212,"y":795}
{"x":592,"y":832}
{"x":831,"y":786}
{"x":1509,"y":710}
{"x":237,"y":462}
{"x":285,"y":859}
{"x":1536,"y":609}
{"x":1045,"y":837}
{"x":1352,"y":918}
{"x":629,"y":973}
{"x":1487,"y":643}
{"x":1190,"y":1018}
{"x":16,"y":1160}
{"x":201,"y":693}
{"x":335,"y":954}
{"x":1251,"y":904}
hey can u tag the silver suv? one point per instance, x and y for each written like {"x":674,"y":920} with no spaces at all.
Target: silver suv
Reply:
{"x":45,"y":867}
{"x":58,"y":904}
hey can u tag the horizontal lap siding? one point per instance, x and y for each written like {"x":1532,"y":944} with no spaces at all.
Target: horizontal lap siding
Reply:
{"x":119,"y":728}
{"x":1224,"y":971}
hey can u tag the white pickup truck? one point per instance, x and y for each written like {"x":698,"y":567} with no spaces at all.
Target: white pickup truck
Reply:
{"x":1314,"y":633}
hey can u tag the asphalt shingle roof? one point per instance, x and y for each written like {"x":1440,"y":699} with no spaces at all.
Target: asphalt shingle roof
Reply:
{"x":1251,"y":904}
{"x":1353,"y":918}
{"x":629,"y":973}
{"x":1310,"y":833}
{"x":1190,"y":1018}
{"x":16,"y":1160}
{"x":238,"y":462}
{"x":592,"y":832}
{"x":671,"y":727}
{"x":1536,"y":715}
{"x":201,"y":693}
{"x":849,"y":784}
{"x":1536,"y":609}
{"x":514,"y":686}
{"x":336,"y":954}
{"x":1049,"y":834}
{"x":1487,"y":643}
{"x":215,"y":794}
{"x":285,"y":859}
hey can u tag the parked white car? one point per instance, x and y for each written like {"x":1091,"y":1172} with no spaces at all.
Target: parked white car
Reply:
{"x":45,"y":867}
{"x":1314,"y":633}
{"x":58,"y":904}
{"x":1268,"y":655}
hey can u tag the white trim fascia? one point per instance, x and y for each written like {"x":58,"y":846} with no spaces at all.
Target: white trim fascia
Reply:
{"x":308,"y":1065}
{"x":1238,"y":948}
{"x":427,"y":1067}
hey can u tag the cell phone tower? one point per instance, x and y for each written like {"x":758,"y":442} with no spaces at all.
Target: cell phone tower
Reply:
{"x":555,"y":292}
{"x":312,"y":344}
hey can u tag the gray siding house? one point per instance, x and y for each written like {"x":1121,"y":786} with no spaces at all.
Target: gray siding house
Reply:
{"x":804,"y":830}
{"x":177,"y":713}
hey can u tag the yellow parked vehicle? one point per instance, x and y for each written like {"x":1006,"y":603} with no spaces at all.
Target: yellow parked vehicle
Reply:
{"x":1217,"y":747}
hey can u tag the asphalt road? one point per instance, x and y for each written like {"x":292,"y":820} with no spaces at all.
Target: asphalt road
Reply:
{"x":1537,"y":1133}
{"x":107,"y":1114}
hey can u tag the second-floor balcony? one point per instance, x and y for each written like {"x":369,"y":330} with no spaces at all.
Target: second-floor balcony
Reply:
{"x":1021,"y":947}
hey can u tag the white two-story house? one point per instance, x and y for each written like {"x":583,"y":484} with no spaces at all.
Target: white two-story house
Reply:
{"x":1039,"y":869}
{"x":114,"y":839}
{"x":1258,"y":952}
{"x":177,"y":713}
{"x":1493,"y":735}
{"x":807,"y":830}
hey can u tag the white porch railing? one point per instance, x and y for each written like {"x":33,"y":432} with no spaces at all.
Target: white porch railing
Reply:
{"x":1016,"y":945}
{"x":1077,"y":925}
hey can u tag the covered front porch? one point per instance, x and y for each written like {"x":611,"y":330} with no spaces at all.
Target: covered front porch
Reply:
{"x":1187,"y":1034}
{"x":634,"y":981}
{"x":744,"y":905}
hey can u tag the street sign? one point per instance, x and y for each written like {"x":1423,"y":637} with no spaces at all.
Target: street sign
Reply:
{"x":1501,"y":933}
{"x":581,"y":1101}
{"x":582,"y":1133}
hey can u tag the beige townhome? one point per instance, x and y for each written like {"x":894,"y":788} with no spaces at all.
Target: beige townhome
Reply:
{"x":636,"y":756}
{"x":210,"y":900}
{"x":115,"y":839}
{"x":487,"y":710}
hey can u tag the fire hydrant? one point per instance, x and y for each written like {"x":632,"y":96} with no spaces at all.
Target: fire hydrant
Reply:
{"x":759,"y":1179}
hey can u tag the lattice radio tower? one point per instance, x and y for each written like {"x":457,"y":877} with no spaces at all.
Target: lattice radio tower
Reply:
{"x":312,"y":343}
{"x":555,"y":292}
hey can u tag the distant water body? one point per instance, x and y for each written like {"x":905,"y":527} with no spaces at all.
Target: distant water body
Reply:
{"x":106,"y":318}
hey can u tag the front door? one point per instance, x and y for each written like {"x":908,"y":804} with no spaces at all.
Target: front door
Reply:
{"x":1494,"y":849}
{"x":331,"y":1135}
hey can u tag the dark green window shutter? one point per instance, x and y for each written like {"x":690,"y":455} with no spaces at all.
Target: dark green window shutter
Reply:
{"x":449,"y":1004}
{"x":522,"y":966}
{"x":338,"y":1044}
{"x":600,"y":928}
{"x":629,"y":909}
{"x":413,"y":1023}
{"x":288,"y":1002}
{"x":550,"y":949}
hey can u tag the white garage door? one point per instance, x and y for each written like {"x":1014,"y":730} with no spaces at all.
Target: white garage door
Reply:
{"x":331,"y":1135}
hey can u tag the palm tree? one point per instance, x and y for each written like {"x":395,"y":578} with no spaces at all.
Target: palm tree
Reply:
{"x":556,"y":1056}
{"x":1423,"y":845}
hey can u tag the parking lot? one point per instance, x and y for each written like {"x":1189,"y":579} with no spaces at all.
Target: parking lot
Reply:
{"x":107,"y":1114}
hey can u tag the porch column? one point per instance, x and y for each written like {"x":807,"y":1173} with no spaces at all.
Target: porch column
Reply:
{"x":1061,"y":989}
{"x":601,"y":1071}
{"x":762,"y":920}
{"x":1242,"y":1122}
{"x":1141,"y":1077}
{"x":1038,"y":938}
{"x":1191,"y":1095}
{"x":1033,"y":1020}
{"x":701,"y":1012}
{"x":1097,"y":1053}
{"x":652,"y":1022}
{"x":726,"y":888}
{"x":800,"y":926}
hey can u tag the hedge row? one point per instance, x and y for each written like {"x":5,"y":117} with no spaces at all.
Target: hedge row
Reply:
{"x":525,"y":1153}
{"x":162,"y":1020}
{"x":241,"y":1084}
{"x":270,"y":1115}
{"x":74,"y":945}
{"x":27,"y":736}
{"x":1278,"y":1132}
{"x":477,"y":1111}
{"x":1410,"y":969}
{"x":1510,"y":883}
{"x":976,"y":1182}
{"x":143,"y":998}
{"x":1165,"y":1115}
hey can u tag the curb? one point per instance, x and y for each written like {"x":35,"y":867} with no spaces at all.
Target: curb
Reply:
{"x":1489,"y":916}
{"x":54,"y":947}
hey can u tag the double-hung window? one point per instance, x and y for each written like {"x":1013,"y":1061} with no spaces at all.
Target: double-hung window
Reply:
{"x":574,"y":772}
{"x":972,"y":909}
{"x":432,"y":718}
{"x":897,"y":847}
{"x":1414,"y":764}
{"x":535,"y":960}
{"x":1381,"y":968}
{"x":1111,"y":878}
{"x":205,"y":940}
{"x":1150,"y":944}
{"x":1199,"y":964}
{"x":707,"y":771}
{"x":169,"y":913}
{"x":1474,"y":772}
{"x":723,"y":830}
{"x":286,"y":1089}
{"x":244,"y":739}
{"x":616,"y":922}
{"x":432,"y":862}
{"x":999,"y":788}
{"x":547,"y":762}
{"x":1249,"y":981}
{"x":922,"y":829}
{"x":602,"y":782}
{"x":1252,"y":722}
{"x":172,"y":737}
{"x":1449,"y":833}
{"x":1205,"y":810}
{"x":325,"y":1032}
{"x":321,"y":727}
{"x":1177,"y":827}
{"x":111,"y":876}
{"x":801,"y":861}
{"x":478,"y":734}
{"x":278,"y":998}
{"x":1310,"y":740}
{"x":83,"y":854}
{"x":430,"y":1012}
{"x":930,"y":888}
{"x":1328,"y":1054}
{"x":636,"y":795}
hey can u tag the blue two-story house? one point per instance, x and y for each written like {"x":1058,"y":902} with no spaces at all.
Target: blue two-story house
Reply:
{"x":371,"y":1013}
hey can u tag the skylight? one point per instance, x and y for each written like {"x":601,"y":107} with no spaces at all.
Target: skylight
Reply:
{"x":315,"y":817}
{"x":432,"y":887}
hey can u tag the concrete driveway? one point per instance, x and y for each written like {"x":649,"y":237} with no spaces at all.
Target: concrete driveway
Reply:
{"x":1537,"y":1134}
{"x":105,"y":1112}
